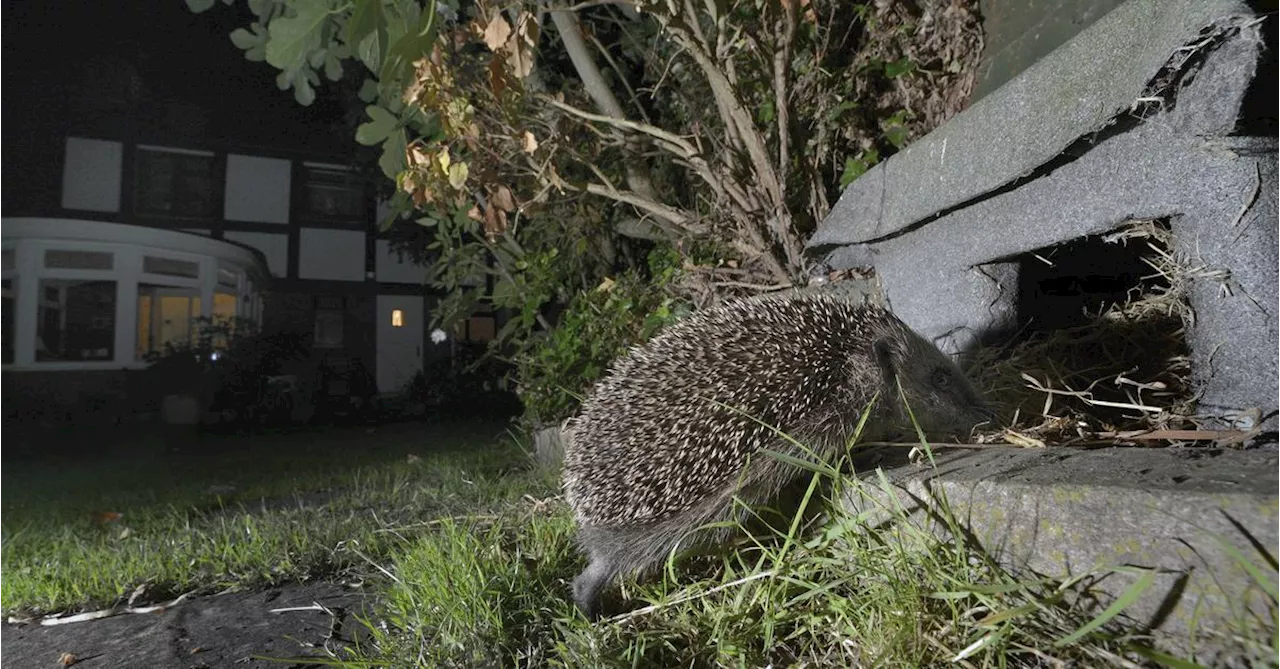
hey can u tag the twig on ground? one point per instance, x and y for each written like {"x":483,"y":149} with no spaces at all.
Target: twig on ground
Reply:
{"x":113,"y":611}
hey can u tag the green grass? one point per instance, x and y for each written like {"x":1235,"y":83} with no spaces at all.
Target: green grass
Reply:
{"x":471,"y":551}
{"x":492,"y":592}
{"x":236,"y":511}
{"x":841,"y":591}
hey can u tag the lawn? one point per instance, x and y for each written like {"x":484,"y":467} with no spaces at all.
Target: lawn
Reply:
{"x":229,"y":511}
{"x":469,"y":550}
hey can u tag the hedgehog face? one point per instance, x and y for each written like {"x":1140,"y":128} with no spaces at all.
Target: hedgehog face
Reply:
{"x":943,"y":402}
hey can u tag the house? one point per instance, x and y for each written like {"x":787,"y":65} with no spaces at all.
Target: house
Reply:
{"x":130,"y":221}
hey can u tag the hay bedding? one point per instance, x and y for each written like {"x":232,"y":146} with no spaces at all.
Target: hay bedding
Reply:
{"x":1121,"y":379}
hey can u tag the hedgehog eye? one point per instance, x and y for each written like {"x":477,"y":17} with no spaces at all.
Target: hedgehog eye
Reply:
{"x":941,"y":378}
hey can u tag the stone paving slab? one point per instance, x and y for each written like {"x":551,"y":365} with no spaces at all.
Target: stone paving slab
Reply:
{"x":1063,"y":512}
{"x":1029,"y":121}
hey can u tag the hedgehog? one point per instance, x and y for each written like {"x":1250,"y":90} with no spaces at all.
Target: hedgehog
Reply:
{"x":674,"y":431}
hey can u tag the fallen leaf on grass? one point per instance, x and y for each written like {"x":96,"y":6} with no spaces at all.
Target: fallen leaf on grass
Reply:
{"x":104,"y":517}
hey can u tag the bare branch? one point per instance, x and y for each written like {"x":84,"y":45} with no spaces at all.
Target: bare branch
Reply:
{"x":571,"y":35}
{"x":668,"y":213}
{"x":738,"y":117}
{"x":767,"y":288}
{"x":592,"y":81}
{"x":594,"y":3}
{"x":781,"y":73}
{"x":621,"y":77}
{"x":678,"y":145}
{"x":653,"y":92}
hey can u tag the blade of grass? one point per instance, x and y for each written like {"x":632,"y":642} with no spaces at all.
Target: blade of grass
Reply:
{"x":1128,"y":597}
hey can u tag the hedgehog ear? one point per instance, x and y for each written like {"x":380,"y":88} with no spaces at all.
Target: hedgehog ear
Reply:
{"x":883,"y":350}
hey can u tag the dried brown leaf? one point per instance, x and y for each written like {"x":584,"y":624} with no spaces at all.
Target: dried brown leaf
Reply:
{"x":497,"y":33}
{"x":499,"y":78}
{"x":417,"y":156}
{"x":495,"y":221}
{"x":503,"y":199}
{"x":519,"y":47}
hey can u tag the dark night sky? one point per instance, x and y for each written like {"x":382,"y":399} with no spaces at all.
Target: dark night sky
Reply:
{"x":56,"y":51}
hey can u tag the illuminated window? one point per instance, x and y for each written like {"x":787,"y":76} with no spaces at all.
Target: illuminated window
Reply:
{"x":397,"y":318}
{"x":224,"y":306}
{"x":165,"y":316}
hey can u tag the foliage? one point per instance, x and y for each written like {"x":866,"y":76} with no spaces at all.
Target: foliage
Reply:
{"x":596,"y":327}
{"x":540,"y":162}
{"x":226,"y":364}
{"x":182,"y":367}
{"x":469,"y":383}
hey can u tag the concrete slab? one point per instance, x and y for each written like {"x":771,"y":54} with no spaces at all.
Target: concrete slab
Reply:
{"x":1018,"y":33}
{"x":1074,"y":91}
{"x":944,"y":237}
{"x":1064,"y":512}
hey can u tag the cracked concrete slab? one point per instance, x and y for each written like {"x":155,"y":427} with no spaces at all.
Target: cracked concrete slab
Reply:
{"x":1076,"y":90}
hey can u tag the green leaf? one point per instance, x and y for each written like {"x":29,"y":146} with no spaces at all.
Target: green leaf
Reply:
{"x":369,"y":49}
{"x":198,"y":6}
{"x":380,"y":126}
{"x":368,"y":91}
{"x":259,"y":7}
{"x":315,"y":59}
{"x":252,"y":41}
{"x":303,"y":92}
{"x":856,"y":167}
{"x":765,"y":113}
{"x":897,"y":136}
{"x":364,"y":20}
{"x":392,"y":159}
{"x":898,"y":68}
{"x":245,"y":40}
{"x":332,"y":67}
{"x":411,"y":46}
{"x":840,"y":109}
{"x":293,"y":38}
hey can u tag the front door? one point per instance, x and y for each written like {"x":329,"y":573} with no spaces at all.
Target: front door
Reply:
{"x":400,"y":320}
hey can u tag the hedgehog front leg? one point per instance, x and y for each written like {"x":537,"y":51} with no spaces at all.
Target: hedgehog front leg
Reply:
{"x":588,"y":585}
